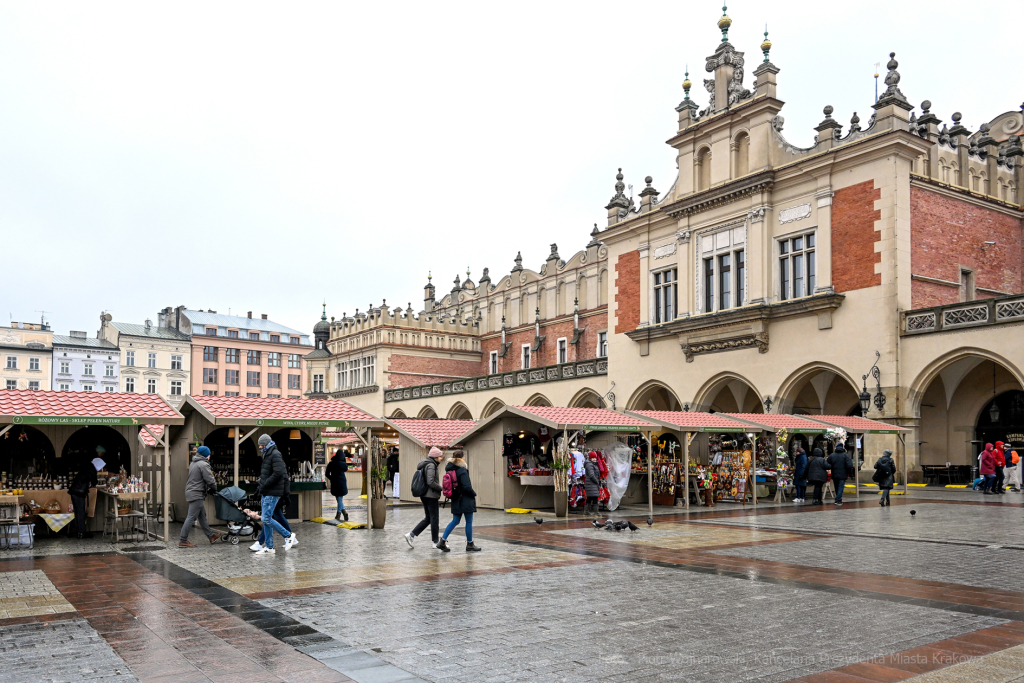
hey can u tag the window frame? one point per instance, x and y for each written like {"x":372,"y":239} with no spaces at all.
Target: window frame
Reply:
{"x":665,"y":294}
{"x":273,"y":359}
{"x":33,"y":362}
{"x":177,"y":362}
{"x":108,"y":369}
{"x":251,"y":375}
{"x":562,"y":350}
{"x":87,"y":369}
{"x":228,"y":376}
{"x":151,"y":386}
{"x":526,"y":356}
{"x":250,"y":354}
{"x":296,"y":359}
{"x":209,"y":375}
{"x":297,"y":384}
{"x":129,"y":385}
{"x":210,"y":354}
{"x":151,"y":359}
{"x":33,"y":382}
{"x":493,"y":363}
{"x":12,"y":363}
{"x":273,"y":380}
{"x":129,"y":359}
{"x":65,"y":367}
{"x":789,"y":258}
{"x":602,"y":344}
{"x":176,"y":387}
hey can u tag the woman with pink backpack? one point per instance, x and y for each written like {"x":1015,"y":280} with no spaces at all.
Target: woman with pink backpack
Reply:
{"x":457,"y":486}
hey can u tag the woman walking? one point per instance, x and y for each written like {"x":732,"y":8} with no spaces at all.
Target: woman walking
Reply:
{"x":885,"y":476}
{"x":817,"y":474}
{"x":800,"y":475}
{"x":457,"y":486}
{"x":335,"y":474}
{"x":591,"y":483}
{"x":988,"y":469}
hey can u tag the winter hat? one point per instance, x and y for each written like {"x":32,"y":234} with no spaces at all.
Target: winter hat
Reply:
{"x":435,"y":452}
{"x":592,"y":454}
{"x":817,"y":453}
{"x":886,"y":453}
{"x":101,"y":449}
{"x":203,"y":451}
{"x":264,"y":440}
{"x":840,"y":448}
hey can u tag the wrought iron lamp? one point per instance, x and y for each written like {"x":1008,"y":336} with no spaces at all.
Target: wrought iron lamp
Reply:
{"x":865,"y":397}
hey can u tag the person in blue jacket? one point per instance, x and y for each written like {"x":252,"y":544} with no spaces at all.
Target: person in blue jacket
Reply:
{"x":800,"y":475}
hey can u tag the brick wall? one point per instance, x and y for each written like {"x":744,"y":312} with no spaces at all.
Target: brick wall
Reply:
{"x":947,"y":233}
{"x":425,"y":365}
{"x":627,"y":296}
{"x":854,"y":236}
{"x":548,"y":353}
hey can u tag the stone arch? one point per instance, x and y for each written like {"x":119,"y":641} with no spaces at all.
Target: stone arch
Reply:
{"x":398,"y":413}
{"x":602,"y":287}
{"x":581,"y":292}
{"x":702,"y":168}
{"x":741,"y":154}
{"x":82,"y":444}
{"x":426,"y":412}
{"x":728,"y":392}
{"x":538,"y":400}
{"x":459,"y":411}
{"x":493,"y":406}
{"x":586,"y":398}
{"x":947,"y":360}
{"x":812,"y":390}
{"x":654,"y":395}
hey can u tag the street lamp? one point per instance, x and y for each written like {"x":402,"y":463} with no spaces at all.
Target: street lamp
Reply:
{"x":865,"y":397}
{"x":993,"y":413}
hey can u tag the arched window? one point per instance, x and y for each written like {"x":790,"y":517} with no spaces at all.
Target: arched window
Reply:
{"x":581,"y":292}
{"x":741,"y":155}
{"x":602,"y":288}
{"x":702,"y":172}
{"x":542,"y":303}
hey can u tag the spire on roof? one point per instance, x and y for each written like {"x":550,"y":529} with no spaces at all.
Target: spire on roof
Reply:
{"x":724,"y":23}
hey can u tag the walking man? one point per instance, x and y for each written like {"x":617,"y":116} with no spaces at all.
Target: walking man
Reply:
{"x":841,"y":465}
{"x":200,"y":482}
{"x":273,"y":482}
{"x":427,"y":485}
{"x":1011,"y":469}
{"x":335,"y":474}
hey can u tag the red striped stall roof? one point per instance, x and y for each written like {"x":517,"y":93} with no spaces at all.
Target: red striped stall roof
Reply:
{"x":691,"y":421}
{"x":858,"y":425}
{"x":584,"y":418}
{"x":774,"y":422}
{"x":64,"y":408}
{"x":147,"y":438}
{"x":280,"y":412}
{"x":428,"y":433}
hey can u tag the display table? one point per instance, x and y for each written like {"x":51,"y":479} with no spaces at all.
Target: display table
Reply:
{"x":42,"y":497}
{"x":308,"y":495}
{"x":537,"y":480}
{"x":111,"y":515}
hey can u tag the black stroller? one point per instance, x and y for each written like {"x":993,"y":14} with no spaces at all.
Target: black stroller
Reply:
{"x":228,"y":506}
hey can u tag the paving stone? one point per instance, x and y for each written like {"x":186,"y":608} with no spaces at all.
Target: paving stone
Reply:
{"x":58,"y":652}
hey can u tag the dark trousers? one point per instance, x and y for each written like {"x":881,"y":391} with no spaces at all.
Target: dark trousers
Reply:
{"x":430,"y":517}
{"x":885,"y":497}
{"x":999,"y":478}
{"x":801,"y":491}
{"x":80,"y":504}
{"x":818,"y":486}
{"x":840,"y":485}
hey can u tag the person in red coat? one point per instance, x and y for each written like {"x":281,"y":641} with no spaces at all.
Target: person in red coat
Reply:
{"x":1000,"y":464}
{"x":988,"y":469}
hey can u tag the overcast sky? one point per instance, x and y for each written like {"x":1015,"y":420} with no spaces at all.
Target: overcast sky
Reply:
{"x":268,"y":156}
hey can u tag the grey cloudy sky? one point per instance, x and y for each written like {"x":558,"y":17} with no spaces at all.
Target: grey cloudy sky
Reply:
{"x":266,"y":156}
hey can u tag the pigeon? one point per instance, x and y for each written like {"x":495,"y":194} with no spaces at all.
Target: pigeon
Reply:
{"x":632,"y":527}
{"x":650,"y":521}
{"x":619,"y":526}
{"x":539,"y":520}
{"x":913,"y":513}
{"x":597,"y":525}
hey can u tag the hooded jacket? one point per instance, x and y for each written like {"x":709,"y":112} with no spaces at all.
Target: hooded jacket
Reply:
{"x":800,"y":469}
{"x":591,"y":479}
{"x":273,"y":474}
{"x":988,"y":461}
{"x":83,"y":481}
{"x":817,"y":468}
{"x":841,"y":463}
{"x":997,"y":453}
{"x":335,"y":473}
{"x":886,"y":468}
{"x":464,"y":497}
{"x":200,"y":479}
{"x":430,"y":478}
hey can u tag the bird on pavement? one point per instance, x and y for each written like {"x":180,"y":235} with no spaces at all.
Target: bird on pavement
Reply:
{"x":632,"y":527}
{"x":650,"y":521}
{"x":913,"y":513}
{"x":597,"y":525}
{"x":619,"y":526}
{"x":539,"y":520}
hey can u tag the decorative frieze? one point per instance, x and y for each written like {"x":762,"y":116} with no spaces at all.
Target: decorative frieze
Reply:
{"x":794,"y":213}
{"x":665,"y":251}
{"x":996,"y":311}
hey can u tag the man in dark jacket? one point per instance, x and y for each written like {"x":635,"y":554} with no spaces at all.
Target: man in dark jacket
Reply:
{"x":463,"y":503}
{"x":335,"y":474}
{"x":430,"y":499}
{"x":800,"y":476}
{"x":817,"y":474}
{"x":79,"y":491}
{"x":885,"y":475}
{"x":273,"y":482}
{"x":841,"y":465}
{"x":591,"y":483}
{"x":200,"y":482}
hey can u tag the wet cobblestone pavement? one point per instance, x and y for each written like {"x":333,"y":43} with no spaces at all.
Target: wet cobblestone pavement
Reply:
{"x":779,"y":593}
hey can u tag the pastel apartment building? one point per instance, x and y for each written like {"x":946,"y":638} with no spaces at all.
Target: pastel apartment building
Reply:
{"x":84,"y":364}
{"x":235,"y":355}
{"x":154,"y":360}
{"x":26,"y":354}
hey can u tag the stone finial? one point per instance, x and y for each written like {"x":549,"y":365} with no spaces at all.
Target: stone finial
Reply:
{"x":724,"y":22}
{"x":486,"y":277}
{"x":892,"y":94}
{"x":687,"y":103}
{"x":827,"y":111}
{"x":925,"y":106}
{"x":649,"y":191}
{"x":553,"y":256}
{"x":958,"y":129}
{"x":766,"y":45}
{"x":519,"y":262}
{"x":458,"y":285}
{"x":619,"y":199}
{"x":594,"y":240}
{"x":828,"y":123}
{"x":854,"y":123}
{"x":984,"y":139}
{"x":926,"y":118}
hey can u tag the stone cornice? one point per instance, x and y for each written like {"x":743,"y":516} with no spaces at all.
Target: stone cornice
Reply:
{"x":725,"y":117}
{"x":722,"y":194}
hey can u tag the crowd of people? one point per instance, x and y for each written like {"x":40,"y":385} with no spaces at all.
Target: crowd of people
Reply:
{"x":456,"y":486}
{"x":998,"y":466}
{"x":817,"y":469}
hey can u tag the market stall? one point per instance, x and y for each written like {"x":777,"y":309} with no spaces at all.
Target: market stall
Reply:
{"x":46,"y":436}
{"x":696,"y":474}
{"x":294,"y":426}
{"x":417,"y":436}
{"x":526,"y":456}
{"x":352,"y":449}
{"x":858,"y":428}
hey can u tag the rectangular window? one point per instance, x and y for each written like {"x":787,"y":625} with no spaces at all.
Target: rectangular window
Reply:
{"x":152,"y":360}
{"x":208,"y":392}
{"x":294,"y":360}
{"x":293,"y":396}
{"x":231,"y":393}
{"x":318,"y":384}
{"x":129,"y":359}
{"x":176,"y":387}
{"x":12,"y":362}
{"x":724,"y":281}
{"x":274,"y":360}
{"x":741,"y":277}
{"x":33,"y":363}
{"x":666,"y":291}
{"x":709,"y":285}
{"x":275,"y":338}
{"x":211,"y":331}
{"x":34,"y":386}
{"x":293,"y":381}
{"x":175,"y":362}
{"x":602,"y":344}
{"x":273,"y":395}
{"x":210,"y":353}
{"x":797,"y":267}
{"x":254,"y":336}
{"x":563,"y":350}
{"x":86,"y":387}
{"x":253,"y":394}
{"x":296,"y":340}
{"x":87,"y":369}
{"x":129,"y":385}
{"x":273,"y":380}
{"x":252,"y":357}
{"x":252,"y":379}
{"x":209,"y":375}
{"x":230,"y":355}
{"x":65,"y":387}
{"x":525,"y":358}
{"x":12,"y":384}
{"x":231,"y":377}
{"x":65,"y":367}
{"x":494,"y":363}
{"x":108,"y":370}
{"x":232,"y":334}
{"x":369,"y":371}
{"x":109,"y":390}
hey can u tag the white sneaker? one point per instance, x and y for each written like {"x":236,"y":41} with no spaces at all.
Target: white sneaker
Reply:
{"x":265,"y":551}
{"x":408,"y":538}
{"x":256,"y":546}
{"x":290,"y":541}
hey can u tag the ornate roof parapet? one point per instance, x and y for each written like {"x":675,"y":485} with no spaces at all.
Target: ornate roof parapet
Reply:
{"x":595,"y":240}
{"x":519,"y":262}
{"x":829,"y":129}
{"x":648,"y":196}
{"x":892,"y":94}
{"x":927,"y":122}
{"x":958,"y":131}
{"x":620,"y":204}
{"x":485,"y":279}
{"x":726,"y":88}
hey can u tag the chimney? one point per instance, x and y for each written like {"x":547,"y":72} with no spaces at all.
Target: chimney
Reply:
{"x":79,"y":335}
{"x":264,"y":316}
{"x":250,"y":315}
{"x":149,"y":324}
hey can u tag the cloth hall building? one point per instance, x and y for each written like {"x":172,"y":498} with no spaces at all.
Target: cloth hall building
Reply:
{"x":767,"y":277}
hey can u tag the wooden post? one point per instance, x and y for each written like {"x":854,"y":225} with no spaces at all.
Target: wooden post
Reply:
{"x":237,"y":431}
{"x":856,"y":466}
{"x":166,"y":483}
{"x":904,"y":449}
{"x":686,"y":468}
{"x":650,"y":479}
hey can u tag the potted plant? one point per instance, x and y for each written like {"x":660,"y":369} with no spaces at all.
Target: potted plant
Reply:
{"x":560,"y":466}
{"x":378,"y":478}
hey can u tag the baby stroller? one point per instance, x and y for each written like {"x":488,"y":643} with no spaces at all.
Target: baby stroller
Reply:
{"x":227,"y":503}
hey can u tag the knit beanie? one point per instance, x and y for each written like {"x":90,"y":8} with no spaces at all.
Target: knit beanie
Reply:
{"x":435,"y":452}
{"x":264,"y":440}
{"x":203,"y":451}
